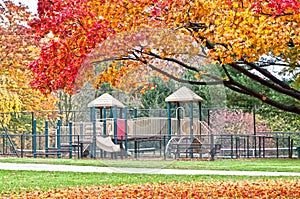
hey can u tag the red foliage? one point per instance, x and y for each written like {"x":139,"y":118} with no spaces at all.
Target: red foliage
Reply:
{"x":277,"y":7}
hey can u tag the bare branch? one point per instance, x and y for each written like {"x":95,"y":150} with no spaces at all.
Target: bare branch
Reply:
{"x":269,"y":75}
{"x":180,"y":79}
{"x":264,"y":82}
{"x":245,"y":90}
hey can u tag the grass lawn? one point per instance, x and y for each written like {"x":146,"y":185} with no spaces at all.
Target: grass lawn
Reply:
{"x":280,"y":165}
{"x":24,"y":181}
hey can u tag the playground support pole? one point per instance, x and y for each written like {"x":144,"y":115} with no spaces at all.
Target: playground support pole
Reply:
{"x":178,"y":132}
{"x":126,"y":131}
{"x":169,"y":121}
{"x":200,"y":117}
{"x":134,"y":119}
{"x":191,"y":129}
{"x":115,"y":125}
{"x":70,"y":140}
{"x":101,"y":120}
{"x":93,"y":119}
{"x":104,"y":121}
{"x":101,"y":113}
{"x":134,"y":113}
{"x":115,"y":111}
{"x":81,"y":132}
{"x":104,"y":126}
{"x":111,"y":113}
{"x":46,"y":138}
{"x":34,"y":139}
{"x":92,"y":113}
{"x":134,"y":131}
{"x":58,"y":139}
{"x":121,"y":113}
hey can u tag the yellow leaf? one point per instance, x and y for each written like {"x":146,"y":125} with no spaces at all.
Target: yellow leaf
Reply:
{"x":235,"y":5}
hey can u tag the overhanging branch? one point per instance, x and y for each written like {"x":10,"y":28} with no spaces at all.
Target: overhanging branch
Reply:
{"x":245,"y":90}
{"x":264,"y":82}
{"x":183,"y":80}
{"x":269,"y":75}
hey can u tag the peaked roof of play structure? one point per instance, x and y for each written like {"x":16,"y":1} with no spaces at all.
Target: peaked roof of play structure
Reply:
{"x":184,"y":94}
{"x":106,"y":100}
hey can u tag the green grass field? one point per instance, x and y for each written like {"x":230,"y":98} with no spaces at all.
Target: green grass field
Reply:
{"x":20,"y":181}
{"x":23,"y":181}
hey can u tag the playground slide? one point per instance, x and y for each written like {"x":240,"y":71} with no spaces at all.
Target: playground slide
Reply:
{"x":107,"y":144}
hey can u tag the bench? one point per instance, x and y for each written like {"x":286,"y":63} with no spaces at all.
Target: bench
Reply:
{"x":142,"y":150}
{"x":52,"y":152}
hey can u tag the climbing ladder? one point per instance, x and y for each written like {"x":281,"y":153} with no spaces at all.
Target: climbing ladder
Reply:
{"x":202,"y":144}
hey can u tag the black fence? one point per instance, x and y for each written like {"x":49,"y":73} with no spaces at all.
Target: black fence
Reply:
{"x":237,"y":133}
{"x":145,"y":147}
{"x":27,"y":145}
{"x":255,"y":146}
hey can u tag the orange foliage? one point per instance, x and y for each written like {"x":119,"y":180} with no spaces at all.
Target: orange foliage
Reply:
{"x":17,"y":49}
{"x":238,"y":29}
{"x":204,"y":189}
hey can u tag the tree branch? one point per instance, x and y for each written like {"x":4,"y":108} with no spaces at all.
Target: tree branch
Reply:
{"x":269,"y":75}
{"x":256,"y":78}
{"x":175,"y":61}
{"x":180,"y":79}
{"x":245,"y":90}
{"x":231,"y":84}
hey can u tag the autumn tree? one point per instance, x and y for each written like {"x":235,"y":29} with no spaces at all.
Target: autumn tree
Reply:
{"x":18,"y":49}
{"x":167,"y":37}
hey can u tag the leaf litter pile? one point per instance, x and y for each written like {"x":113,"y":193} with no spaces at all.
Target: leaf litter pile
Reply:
{"x":203,"y":189}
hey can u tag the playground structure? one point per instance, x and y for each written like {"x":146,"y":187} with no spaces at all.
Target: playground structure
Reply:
{"x":113,"y":135}
{"x":114,"y":131}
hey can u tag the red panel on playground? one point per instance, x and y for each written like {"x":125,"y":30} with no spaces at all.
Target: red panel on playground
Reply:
{"x":121,"y":129}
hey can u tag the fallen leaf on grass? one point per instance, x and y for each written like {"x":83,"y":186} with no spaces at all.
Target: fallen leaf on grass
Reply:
{"x":203,"y":189}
